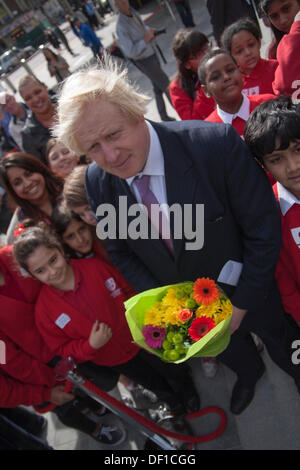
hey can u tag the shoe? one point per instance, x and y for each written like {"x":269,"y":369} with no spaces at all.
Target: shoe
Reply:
{"x":209,"y":367}
{"x":167,"y":118}
{"x":241,"y":398}
{"x":110,"y":435}
{"x":140,"y":398}
{"x":191,"y":403}
{"x":176,"y":424}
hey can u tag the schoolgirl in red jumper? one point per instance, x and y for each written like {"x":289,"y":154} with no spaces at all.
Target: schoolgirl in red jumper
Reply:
{"x":78,"y":238}
{"x":189,"y":46}
{"x":223,"y":80}
{"x":285,"y":17}
{"x":28,"y":360}
{"x":80,"y":313}
{"x":242,"y":40}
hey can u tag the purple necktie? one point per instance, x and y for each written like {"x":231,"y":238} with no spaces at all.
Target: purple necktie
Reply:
{"x":148,"y":199}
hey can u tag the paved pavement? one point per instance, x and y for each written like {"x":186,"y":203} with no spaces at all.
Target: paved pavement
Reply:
{"x":272,"y":421}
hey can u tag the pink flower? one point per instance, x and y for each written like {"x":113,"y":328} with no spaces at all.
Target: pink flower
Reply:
{"x":184,"y":315}
{"x":154,"y":336}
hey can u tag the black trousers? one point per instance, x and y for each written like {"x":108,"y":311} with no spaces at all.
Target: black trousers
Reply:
{"x":160,"y":81}
{"x":70,"y":414}
{"x":185,"y":13}
{"x":270,"y":323}
{"x":170,"y":382}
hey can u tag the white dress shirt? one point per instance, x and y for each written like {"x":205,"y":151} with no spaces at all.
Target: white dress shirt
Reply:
{"x":155,"y":169}
{"x":286,"y":198}
{"x":243,"y":112}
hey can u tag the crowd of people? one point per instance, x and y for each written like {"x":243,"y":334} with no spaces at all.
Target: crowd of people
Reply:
{"x":234,"y":148}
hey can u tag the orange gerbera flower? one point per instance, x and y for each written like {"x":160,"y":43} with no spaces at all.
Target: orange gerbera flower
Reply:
{"x":205,"y":291}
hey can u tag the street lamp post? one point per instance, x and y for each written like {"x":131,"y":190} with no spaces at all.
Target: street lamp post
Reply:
{"x":5,"y":78}
{"x":27,"y":68}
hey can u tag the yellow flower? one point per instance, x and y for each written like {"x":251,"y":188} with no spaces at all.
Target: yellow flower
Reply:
{"x":170,"y":300}
{"x":227,"y":308}
{"x":218,"y":310}
{"x":209,"y":310}
{"x":154,"y":316}
{"x":171,"y":316}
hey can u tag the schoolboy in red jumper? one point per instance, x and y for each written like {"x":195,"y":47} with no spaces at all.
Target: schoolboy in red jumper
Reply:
{"x":285,"y":16}
{"x":242,"y":40}
{"x":273,"y":135}
{"x":80,"y":313}
{"x":222,"y":79}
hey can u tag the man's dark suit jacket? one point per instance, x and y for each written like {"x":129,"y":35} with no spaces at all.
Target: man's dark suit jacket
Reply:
{"x":208,"y":164}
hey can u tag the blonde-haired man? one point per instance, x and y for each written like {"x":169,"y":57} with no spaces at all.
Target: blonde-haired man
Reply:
{"x":187,"y":163}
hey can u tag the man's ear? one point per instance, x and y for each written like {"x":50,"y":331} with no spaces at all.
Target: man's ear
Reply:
{"x":206,"y":92}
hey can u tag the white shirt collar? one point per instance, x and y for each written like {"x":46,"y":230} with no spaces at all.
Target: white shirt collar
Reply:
{"x":286,"y":198}
{"x":155,"y":160}
{"x":243,"y":112}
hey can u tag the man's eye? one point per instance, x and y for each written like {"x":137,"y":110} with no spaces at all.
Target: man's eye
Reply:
{"x":95,"y":147}
{"x":53,"y":259}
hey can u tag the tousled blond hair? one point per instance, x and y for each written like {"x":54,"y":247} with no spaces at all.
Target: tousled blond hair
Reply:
{"x":104,"y":81}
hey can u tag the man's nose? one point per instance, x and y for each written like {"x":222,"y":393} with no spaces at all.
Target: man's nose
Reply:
{"x":110,"y":152}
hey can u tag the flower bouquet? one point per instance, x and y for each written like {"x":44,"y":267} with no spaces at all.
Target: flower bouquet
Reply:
{"x":181,"y":321}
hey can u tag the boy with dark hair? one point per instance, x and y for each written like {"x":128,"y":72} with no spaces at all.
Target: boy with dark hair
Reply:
{"x":285,"y":16}
{"x":273,"y":135}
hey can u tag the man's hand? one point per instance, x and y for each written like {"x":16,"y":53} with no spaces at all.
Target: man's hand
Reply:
{"x":236,"y":319}
{"x":59,"y":397}
{"x":149,"y":34}
{"x":100,"y":334}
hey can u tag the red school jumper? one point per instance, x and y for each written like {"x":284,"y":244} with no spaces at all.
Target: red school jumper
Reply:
{"x":17,"y":300}
{"x":288,"y":71}
{"x":65,"y":318}
{"x":186,"y":107}
{"x":238,"y":123}
{"x":260,"y":80}
{"x":288,"y":267}
{"x":25,"y":378}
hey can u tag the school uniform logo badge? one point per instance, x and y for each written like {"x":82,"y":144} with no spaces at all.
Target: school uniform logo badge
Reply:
{"x":62,"y":320}
{"x":110,"y":284}
{"x":296,"y":235}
